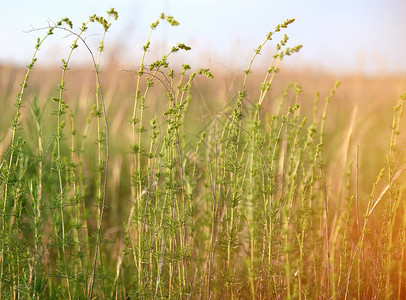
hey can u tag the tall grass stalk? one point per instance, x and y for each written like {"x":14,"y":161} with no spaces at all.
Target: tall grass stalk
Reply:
{"x":10,"y":168}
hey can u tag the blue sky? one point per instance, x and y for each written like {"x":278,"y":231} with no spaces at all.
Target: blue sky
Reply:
{"x":362,"y":35}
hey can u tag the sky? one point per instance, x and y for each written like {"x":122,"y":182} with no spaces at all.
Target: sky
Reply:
{"x":366,"y":36}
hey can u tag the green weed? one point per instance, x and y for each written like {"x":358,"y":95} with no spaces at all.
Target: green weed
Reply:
{"x":248,"y":207}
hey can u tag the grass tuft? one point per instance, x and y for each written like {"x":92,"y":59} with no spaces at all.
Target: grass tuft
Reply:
{"x":181,"y":202}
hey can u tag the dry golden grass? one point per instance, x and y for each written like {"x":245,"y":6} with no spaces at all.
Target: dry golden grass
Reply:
{"x":361,"y":110}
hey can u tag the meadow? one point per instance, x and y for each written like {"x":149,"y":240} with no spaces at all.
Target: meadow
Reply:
{"x":164,"y":182}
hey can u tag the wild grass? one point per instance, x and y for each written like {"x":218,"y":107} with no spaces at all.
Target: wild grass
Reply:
{"x":171,"y":195}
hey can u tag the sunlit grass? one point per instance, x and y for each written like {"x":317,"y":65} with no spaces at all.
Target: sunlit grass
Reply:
{"x":166,"y":186}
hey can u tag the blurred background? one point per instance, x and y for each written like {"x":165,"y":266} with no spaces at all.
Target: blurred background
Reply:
{"x":365,"y":36}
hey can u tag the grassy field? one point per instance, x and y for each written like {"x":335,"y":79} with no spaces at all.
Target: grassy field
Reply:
{"x":159,"y":181}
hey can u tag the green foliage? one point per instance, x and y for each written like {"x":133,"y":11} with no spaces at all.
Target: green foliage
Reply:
{"x":243,"y":210}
